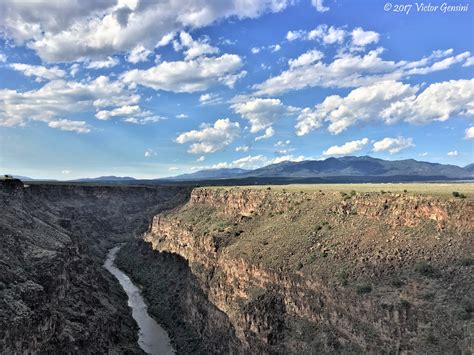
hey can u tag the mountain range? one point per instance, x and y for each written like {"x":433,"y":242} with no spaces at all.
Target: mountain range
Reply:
{"x":110,"y":178}
{"x":345,"y":169}
{"x":348,"y":167}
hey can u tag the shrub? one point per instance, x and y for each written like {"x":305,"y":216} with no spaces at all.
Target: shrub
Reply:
{"x":353,"y":193}
{"x":429,"y":296}
{"x":343,"y":278}
{"x":455,"y":194}
{"x":404,"y":303}
{"x":363,"y":289}
{"x":405,"y":191}
{"x":466,"y":262}
{"x":430,"y":338}
{"x":396,"y":282}
{"x":463,"y":314}
{"x":425,"y":269}
{"x":269,"y":188}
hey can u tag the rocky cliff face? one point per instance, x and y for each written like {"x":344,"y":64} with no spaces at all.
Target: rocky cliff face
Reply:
{"x":321,"y":272}
{"x":55,"y":295}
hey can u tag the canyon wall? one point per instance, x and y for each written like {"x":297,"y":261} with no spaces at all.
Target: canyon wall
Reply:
{"x":55,"y":295}
{"x":287,"y":272}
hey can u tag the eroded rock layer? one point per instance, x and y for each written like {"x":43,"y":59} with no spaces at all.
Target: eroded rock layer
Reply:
{"x":318,"y":272}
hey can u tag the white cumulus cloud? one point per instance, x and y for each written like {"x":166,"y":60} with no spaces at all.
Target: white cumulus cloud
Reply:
{"x":327,"y":34}
{"x":69,"y":125}
{"x":269,"y":132}
{"x":262,"y":113}
{"x":282,"y":143}
{"x":209,"y":99}
{"x":139,"y":54}
{"x":38,"y":71}
{"x":469,"y":133}
{"x":390,"y":102}
{"x":101,"y":64}
{"x":149,"y":153}
{"x":352,"y":69}
{"x":194,"y":48}
{"x":249,"y":162}
{"x":346,"y":148}
{"x":242,"y":148}
{"x":294,"y":35}
{"x":210,"y":138}
{"x":256,"y":161}
{"x":126,"y":110}
{"x":363,"y":38}
{"x":438,"y":102}
{"x":393,"y":145}
{"x":306,"y":58}
{"x":56,"y":100}
{"x":66,"y":31}
{"x":319,"y":5}
{"x":189,"y":76}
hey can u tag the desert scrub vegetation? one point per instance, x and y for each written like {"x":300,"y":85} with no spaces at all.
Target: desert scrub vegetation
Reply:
{"x":404,"y":303}
{"x":425,"y":269}
{"x":465,"y":309}
{"x":345,"y":196}
{"x":343,"y":278}
{"x":437,"y":189}
{"x":458,"y":195}
{"x":466,"y":261}
{"x":363,"y":289}
{"x":428,"y":296}
{"x":397,"y":282}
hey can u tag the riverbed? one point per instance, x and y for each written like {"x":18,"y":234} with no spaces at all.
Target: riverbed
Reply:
{"x":152,"y":338}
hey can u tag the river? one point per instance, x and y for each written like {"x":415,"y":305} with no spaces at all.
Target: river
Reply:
{"x":152,"y":338}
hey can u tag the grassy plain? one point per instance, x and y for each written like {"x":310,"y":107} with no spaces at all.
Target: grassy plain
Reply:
{"x":434,"y":189}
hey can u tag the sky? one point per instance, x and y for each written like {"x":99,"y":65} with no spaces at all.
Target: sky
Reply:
{"x":151,"y":89}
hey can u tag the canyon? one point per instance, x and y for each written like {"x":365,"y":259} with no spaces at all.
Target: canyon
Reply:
{"x":313,"y":272}
{"x":237,"y":270}
{"x":56,"y":296}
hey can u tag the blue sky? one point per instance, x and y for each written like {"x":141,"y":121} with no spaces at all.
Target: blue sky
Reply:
{"x":153,"y":89}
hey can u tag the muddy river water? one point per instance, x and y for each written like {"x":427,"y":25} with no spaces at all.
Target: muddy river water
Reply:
{"x":152,"y":338}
